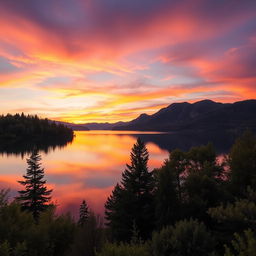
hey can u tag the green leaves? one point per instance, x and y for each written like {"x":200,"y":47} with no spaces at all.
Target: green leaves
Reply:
{"x":185,"y":238}
{"x":132,"y":201}
{"x":242,"y":160}
{"x":242,"y":245}
{"x":124,"y":250}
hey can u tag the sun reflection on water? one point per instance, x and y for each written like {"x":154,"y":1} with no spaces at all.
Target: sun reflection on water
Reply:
{"x":86,"y":169}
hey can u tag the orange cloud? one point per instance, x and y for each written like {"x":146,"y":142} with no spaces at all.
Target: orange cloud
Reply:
{"x":179,"y":51}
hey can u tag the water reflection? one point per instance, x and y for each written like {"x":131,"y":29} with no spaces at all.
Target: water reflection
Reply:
{"x":22,"y":148}
{"x":86,"y":169}
{"x":222,"y":141}
{"x":90,"y":166}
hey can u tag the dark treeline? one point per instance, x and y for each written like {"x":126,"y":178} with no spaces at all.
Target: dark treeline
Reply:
{"x":196,"y":203}
{"x":21,"y":133}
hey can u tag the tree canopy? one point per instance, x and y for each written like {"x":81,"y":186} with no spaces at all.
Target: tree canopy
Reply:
{"x":131,"y":202}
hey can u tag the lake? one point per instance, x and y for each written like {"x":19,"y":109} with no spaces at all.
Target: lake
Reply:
{"x":92,"y":164}
{"x":86,"y":169}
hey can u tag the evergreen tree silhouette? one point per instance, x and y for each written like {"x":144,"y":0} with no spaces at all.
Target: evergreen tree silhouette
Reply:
{"x":35,"y":196}
{"x":83,"y":213}
{"x":131,"y":202}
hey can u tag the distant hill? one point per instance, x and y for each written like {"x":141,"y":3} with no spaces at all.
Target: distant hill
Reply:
{"x":75,"y":127}
{"x":91,"y":126}
{"x":102,"y":126}
{"x":20,"y":134}
{"x":204,"y":115}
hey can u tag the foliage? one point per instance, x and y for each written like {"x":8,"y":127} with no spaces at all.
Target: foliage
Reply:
{"x":83,"y":213}
{"x":4,"y":197}
{"x":19,"y":126}
{"x":200,"y":192}
{"x":242,"y":245}
{"x":120,"y":227}
{"x":132,"y":201}
{"x":52,"y":235}
{"x":24,"y":133}
{"x":89,"y":237}
{"x":199,"y":157}
{"x":35,"y":196}
{"x":5,"y":249}
{"x":167,"y":195}
{"x":124,"y":250}
{"x":241,"y":211}
{"x":185,"y":238}
{"x":188,"y":184}
{"x":190,"y":203}
{"x":234,"y":216}
{"x":242,"y":160}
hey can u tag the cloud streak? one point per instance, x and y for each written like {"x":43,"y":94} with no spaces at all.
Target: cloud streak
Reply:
{"x":111,"y":60}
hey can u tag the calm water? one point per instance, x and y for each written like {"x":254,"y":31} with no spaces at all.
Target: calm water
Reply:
{"x":89,"y":167}
{"x":86,"y":169}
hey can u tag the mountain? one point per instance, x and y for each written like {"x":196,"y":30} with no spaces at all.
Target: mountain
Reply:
{"x":102,"y":126}
{"x":91,"y":126}
{"x":203,"y":115}
{"x":75,"y":127}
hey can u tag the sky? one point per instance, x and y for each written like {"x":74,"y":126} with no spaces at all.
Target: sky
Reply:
{"x":111,"y":60}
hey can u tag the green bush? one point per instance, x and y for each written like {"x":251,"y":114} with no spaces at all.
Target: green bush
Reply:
{"x":124,"y":250}
{"x":242,"y":245}
{"x":5,"y":249}
{"x":20,"y":235}
{"x":185,"y":238}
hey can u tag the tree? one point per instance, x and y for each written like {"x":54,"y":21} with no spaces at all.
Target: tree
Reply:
{"x":187,"y":237}
{"x":88,"y":238}
{"x":167,"y":196}
{"x":83,"y":213}
{"x":124,"y":250}
{"x":116,"y":214}
{"x":242,"y":161}
{"x":200,"y":193}
{"x":242,"y":245}
{"x":4,"y":197}
{"x":5,"y":249}
{"x":35,"y":196}
{"x":233,"y":217}
{"x":51,"y":235}
{"x":131,"y":202}
{"x":202,"y":185}
{"x":199,"y":157}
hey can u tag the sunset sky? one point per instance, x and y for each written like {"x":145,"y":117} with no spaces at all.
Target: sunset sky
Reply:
{"x":110,"y":60}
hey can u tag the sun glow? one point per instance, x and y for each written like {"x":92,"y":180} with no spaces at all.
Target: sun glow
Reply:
{"x":103,"y":62}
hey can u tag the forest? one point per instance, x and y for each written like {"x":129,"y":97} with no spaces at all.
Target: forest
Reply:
{"x":24,"y":133}
{"x":197,"y":203}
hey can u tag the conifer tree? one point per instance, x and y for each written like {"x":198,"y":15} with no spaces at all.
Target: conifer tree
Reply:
{"x":116,"y":214}
{"x":242,"y":160}
{"x":131,"y":202}
{"x":83,"y":213}
{"x":35,"y":196}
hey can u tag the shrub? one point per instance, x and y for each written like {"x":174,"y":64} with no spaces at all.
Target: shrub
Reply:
{"x":124,"y":250}
{"x":185,"y":238}
{"x":242,"y":245}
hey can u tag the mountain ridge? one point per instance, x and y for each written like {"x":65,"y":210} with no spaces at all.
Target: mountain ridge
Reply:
{"x":201,"y":115}
{"x":204,"y":115}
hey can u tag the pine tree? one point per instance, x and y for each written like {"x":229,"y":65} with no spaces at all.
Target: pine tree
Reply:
{"x":131,"y":203}
{"x":242,"y":160}
{"x":83,"y":213}
{"x":166,"y":195}
{"x":35,"y":196}
{"x":117,"y":216}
